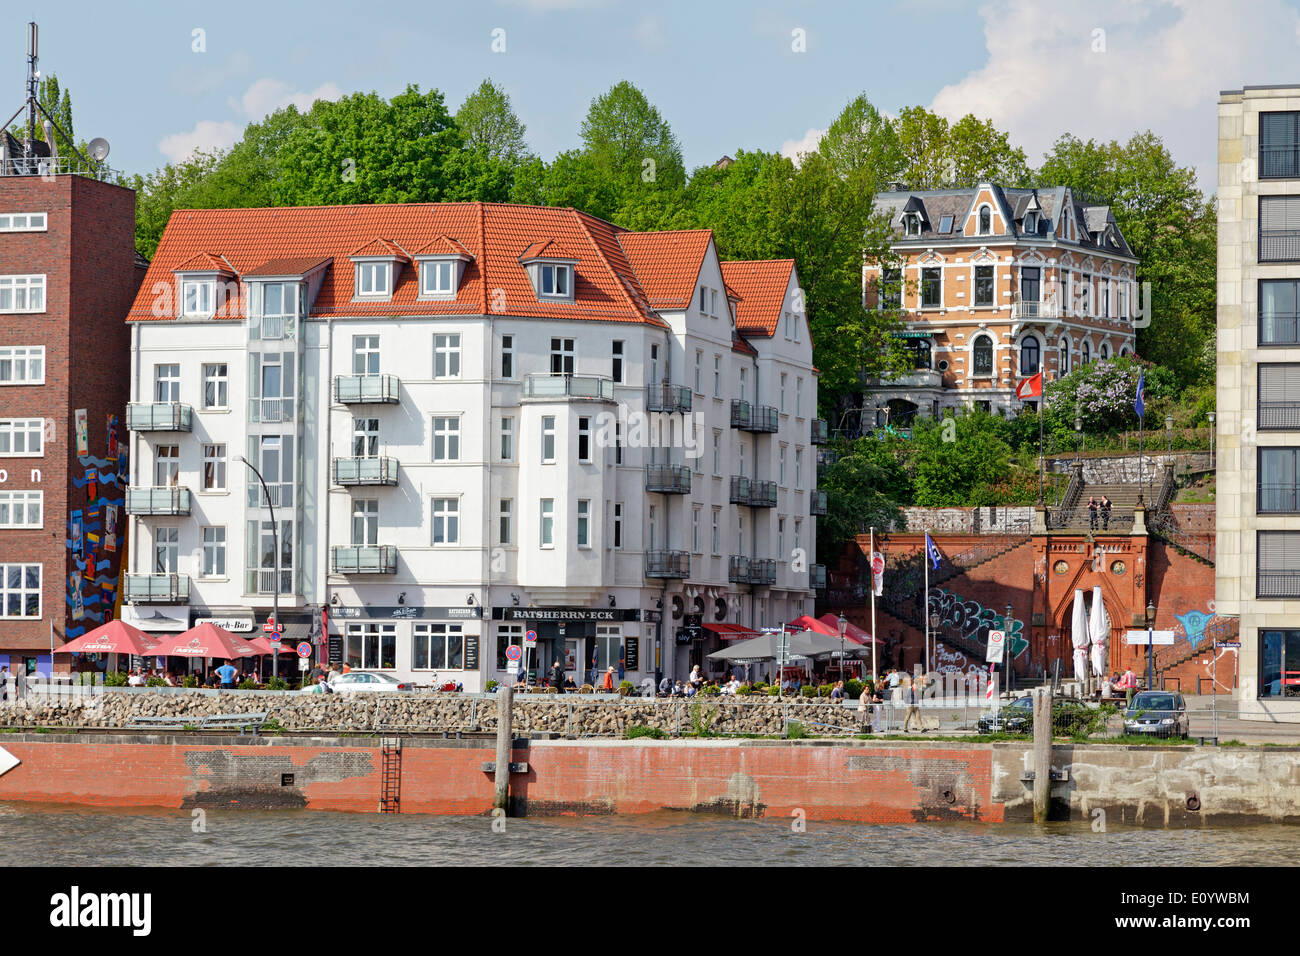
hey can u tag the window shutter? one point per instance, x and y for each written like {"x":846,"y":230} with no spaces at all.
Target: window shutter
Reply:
{"x":1279,"y":213}
{"x":1279,"y":550}
{"x":1279,"y":383}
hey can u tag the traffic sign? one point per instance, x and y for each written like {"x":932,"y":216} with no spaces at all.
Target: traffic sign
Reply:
{"x":512,"y":668}
{"x":530,"y":638}
{"x":1228,"y":644}
{"x":1157,"y":637}
{"x":996,"y":646}
{"x":7,"y":761}
{"x":302,"y":664}
{"x":878,"y":563}
{"x":304,"y":650}
{"x":514,"y":652}
{"x":269,"y":626}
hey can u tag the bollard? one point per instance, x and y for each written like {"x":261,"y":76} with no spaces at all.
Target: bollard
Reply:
{"x":1042,"y":753}
{"x":505,"y":738}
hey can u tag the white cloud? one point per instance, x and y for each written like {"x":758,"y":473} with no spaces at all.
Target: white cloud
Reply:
{"x":1115,"y":67}
{"x":650,"y":34}
{"x":793,"y":148}
{"x":206,"y":135}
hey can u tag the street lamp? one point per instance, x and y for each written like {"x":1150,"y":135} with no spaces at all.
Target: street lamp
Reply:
{"x":1151,"y":661}
{"x":843,"y":624}
{"x":1006,"y":647}
{"x":1169,"y":433}
{"x":1211,"y":416}
{"x":1078,"y":435}
{"x":275,"y":587}
{"x":934,"y":630}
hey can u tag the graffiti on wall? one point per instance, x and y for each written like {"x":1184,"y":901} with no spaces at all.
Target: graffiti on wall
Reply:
{"x":973,"y":621}
{"x":949,"y":660}
{"x":94,"y":536}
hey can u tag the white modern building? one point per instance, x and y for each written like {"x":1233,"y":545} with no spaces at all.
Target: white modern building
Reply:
{"x":473,"y":421}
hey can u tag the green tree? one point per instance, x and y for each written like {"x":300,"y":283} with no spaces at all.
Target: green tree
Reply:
{"x":955,"y":456}
{"x":488,"y":121}
{"x":864,"y":487}
{"x":937,"y":155}
{"x":628,"y":140}
{"x":862,"y":143}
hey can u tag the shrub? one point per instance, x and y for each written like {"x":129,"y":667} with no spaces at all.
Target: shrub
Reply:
{"x":191,"y":680}
{"x":744,"y":690}
{"x":854,"y":687}
{"x":641,"y":730}
{"x":248,"y":684}
{"x":115,"y":679}
{"x":808,"y":690}
{"x":824,"y":690}
{"x":794,"y":730}
{"x":626,"y":687}
{"x":154,"y":682}
{"x":773,"y":691}
{"x":712,"y":690}
{"x":276,"y":682}
{"x":492,"y":686}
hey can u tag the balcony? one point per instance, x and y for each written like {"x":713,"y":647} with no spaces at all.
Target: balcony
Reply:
{"x":159,"y":417}
{"x":272,"y":411}
{"x":1279,"y":415}
{"x":752,"y":492}
{"x":157,"y":501}
{"x":821,"y":434}
{"x":262,"y":581}
{"x":917,"y":378}
{"x":280,"y":494}
{"x":668,"y":479}
{"x":364,"y":559}
{"x":367,"y":389}
{"x":667,"y":398}
{"x":753,"y":418}
{"x":1028,"y":309}
{"x":817,"y":502}
{"x":667,"y":564}
{"x":817,"y":577}
{"x":157,"y":588}
{"x":762,"y":572}
{"x":738,"y":569}
{"x":588,"y":387}
{"x":1277,"y":584}
{"x":364,"y":471}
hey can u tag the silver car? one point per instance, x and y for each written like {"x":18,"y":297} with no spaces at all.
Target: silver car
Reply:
{"x":368,"y":682}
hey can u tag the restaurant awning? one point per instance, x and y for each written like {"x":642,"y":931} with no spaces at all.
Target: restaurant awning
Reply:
{"x":166,"y":620}
{"x":731,"y":632}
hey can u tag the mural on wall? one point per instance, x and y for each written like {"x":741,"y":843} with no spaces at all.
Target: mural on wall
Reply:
{"x":94,"y":540}
{"x":974,"y":621}
{"x":949,"y":660}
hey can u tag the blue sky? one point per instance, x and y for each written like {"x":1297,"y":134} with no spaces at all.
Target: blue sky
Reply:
{"x":724,"y":74}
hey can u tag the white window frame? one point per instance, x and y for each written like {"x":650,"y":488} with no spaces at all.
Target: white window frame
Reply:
{"x":582,"y":533}
{"x":218,"y":466}
{"x":432,"y":633}
{"x":24,"y":222}
{"x":783,"y":377}
{"x":214,"y":551}
{"x":717,"y":454}
{"x":717,"y":376}
{"x":204,"y":298}
{"x":618,"y":353}
{"x":546,"y":523}
{"x":445,"y":512}
{"x":365,"y":355}
{"x":798,"y":398}
{"x":559,"y":275}
{"x":447,"y":429}
{"x":699,"y":360}
{"x":716,"y":539}
{"x":438,"y":278}
{"x":221,"y":382}
{"x":798,"y":469}
{"x":564,"y":354}
{"x":32,"y":431}
{"x":548,"y":438}
{"x":616,"y":538}
{"x":695,"y":529}
{"x":27,"y":359}
{"x":166,"y":385}
{"x":22,"y":590}
{"x":446,"y":348}
{"x":507,"y":438}
{"x":506,"y":521}
{"x":370,"y":274}
{"x":16,"y":509}
{"x":584,"y":437}
{"x":508,"y":357}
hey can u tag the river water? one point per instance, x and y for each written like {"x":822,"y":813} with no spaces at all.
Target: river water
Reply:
{"x":60,"y":835}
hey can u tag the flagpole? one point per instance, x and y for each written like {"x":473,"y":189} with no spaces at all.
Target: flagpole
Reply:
{"x":925,"y":599}
{"x":873,"y":607}
{"x":1041,"y":464}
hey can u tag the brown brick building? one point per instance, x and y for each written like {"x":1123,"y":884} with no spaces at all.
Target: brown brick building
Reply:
{"x":68,"y":274}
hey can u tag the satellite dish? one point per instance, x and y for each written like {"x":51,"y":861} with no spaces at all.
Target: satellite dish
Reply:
{"x":98,"y":148}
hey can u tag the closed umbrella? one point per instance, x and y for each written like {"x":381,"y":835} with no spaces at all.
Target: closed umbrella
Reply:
{"x":115,"y":637}
{"x":1099,"y":633}
{"x":1079,"y":635}
{"x":205,"y":640}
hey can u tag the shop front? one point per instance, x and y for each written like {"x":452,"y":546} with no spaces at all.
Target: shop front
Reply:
{"x":423,"y":645}
{"x":586,"y":642}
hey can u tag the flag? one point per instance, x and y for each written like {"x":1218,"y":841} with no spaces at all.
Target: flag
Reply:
{"x":1140,"y":405}
{"x":932,"y":552}
{"x":1031,"y":387}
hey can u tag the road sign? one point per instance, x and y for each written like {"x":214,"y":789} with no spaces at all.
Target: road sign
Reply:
{"x":512,"y":668}
{"x":1157,"y":637}
{"x":997,"y":642}
{"x":1228,"y":644}
{"x":269,"y":626}
{"x":7,"y":761}
{"x":514,"y":652}
{"x":530,"y":638}
{"x":304,"y":650}
{"x":303,"y":664}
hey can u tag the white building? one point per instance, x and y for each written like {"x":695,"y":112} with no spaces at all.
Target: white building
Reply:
{"x":473,"y":421}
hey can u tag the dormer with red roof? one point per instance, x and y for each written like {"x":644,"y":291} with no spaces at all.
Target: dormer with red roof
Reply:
{"x":550,"y":268}
{"x":378,"y":268}
{"x":204,"y":284}
{"x":441,"y":264}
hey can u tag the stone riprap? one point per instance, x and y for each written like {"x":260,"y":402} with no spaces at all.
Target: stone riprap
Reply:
{"x":466,"y":713}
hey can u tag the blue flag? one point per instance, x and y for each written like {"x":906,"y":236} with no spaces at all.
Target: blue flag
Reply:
{"x":1140,"y":406}
{"x":932,"y":552}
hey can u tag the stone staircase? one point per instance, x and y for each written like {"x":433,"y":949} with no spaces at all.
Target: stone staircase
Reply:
{"x":1155,"y":493}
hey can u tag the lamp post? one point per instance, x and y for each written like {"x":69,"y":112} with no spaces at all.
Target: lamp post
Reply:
{"x":1151,"y":659}
{"x":934,"y":629}
{"x":1169,"y":432}
{"x":843,"y":624}
{"x":1078,"y":436}
{"x":1007,"y":622}
{"x":275,"y":587}
{"x":1211,"y":416}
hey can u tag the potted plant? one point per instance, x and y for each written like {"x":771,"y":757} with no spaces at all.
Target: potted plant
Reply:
{"x":625,"y":687}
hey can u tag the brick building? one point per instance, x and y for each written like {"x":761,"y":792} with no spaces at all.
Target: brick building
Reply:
{"x":68,"y":273}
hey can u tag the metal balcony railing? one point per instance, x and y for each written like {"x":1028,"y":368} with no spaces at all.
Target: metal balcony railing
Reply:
{"x":820,"y":432}
{"x":157,"y":501}
{"x":667,"y":398}
{"x":71,"y":165}
{"x":1279,"y":245}
{"x":159,"y":417}
{"x":1046,"y":308}
{"x":271,"y":410}
{"x":279,"y":493}
{"x":1279,"y":415}
{"x":262,"y":581}
{"x":593,"y":387}
{"x":1277,"y":584}
{"x":817,"y":502}
{"x":754,"y":418}
{"x":157,"y":588}
{"x":1279,"y":328}
{"x":762,"y":572}
{"x":365,"y":559}
{"x":367,"y":389}
{"x":817,"y":577}
{"x":668,"y":479}
{"x":753,"y":492}
{"x":365,"y":471}
{"x":667,"y":564}
{"x":738,"y":569}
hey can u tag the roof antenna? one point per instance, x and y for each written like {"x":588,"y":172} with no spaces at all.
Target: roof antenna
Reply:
{"x":33,"y":79}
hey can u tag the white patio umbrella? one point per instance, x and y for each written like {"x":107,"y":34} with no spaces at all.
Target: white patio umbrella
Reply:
{"x":1099,"y":633}
{"x":1079,"y":635}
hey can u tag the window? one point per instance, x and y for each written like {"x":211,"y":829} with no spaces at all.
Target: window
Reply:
{"x":214,"y":467}
{"x":274,"y":456}
{"x":547,"y":524}
{"x":704,"y":292}
{"x":438,"y":278}
{"x":548,"y":439}
{"x":780,"y":539}
{"x":215,"y":386}
{"x":1105,"y":351}
{"x":167,"y":466}
{"x":742,"y":458}
{"x":505,"y":516}
{"x":371,"y":647}
{"x":1104,"y":295}
{"x":198,"y":296}
{"x":717,"y":376}
{"x":920,"y":349}
{"x":22,"y":365}
{"x":780,"y":466}
{"x":717,"y":454}
{"x":654,"y":365}
{"x":798,"y":469}
{"x":21,"y":509}
{"x":1278,"y":485}
{"x":618,"y":443}
{"x":1031,"y":284}
{"x":1278,"y":651}
{"x":986,"y":220}
{"x":1279,"y":309}
{"x":21,"y":437}
{"x":740,"y":532}
{"x":1279,"y":145}
{"x":743,"y":380}
{"x":616,"y":362}
{"x":717,"y":512}
{"x":508,"y":438}
{"x":618,"y":525}
{"x":446,"y":521}
{"x":789,"y":325}
{"x":1279,"y":396}
{"x":260,"y":539}
{"x":446,"y":438}
{"x":166,"y":550}
{"x":651,"y":524}
{"x":699,"y":359}
{"x":365,"y":438}
{"x":166,"y":383}
{"x":912,"y":224}
{"x":609,"y":647}
{"x":1279,"y":230}
{"x":561,"y":356}
{"x":798,"y":534}
{"x":1029,"y":356}
{"x":214,"y":552}
{"x":983,"y":285}
{"x":584,"y":439}
{"x":931,"y":284}
{"x":1031,"y":223}
{"x":890,"y":296}
{"x":945,"y":225}
{"x":365,"y":522}
{"x":374,"y":278}
{"x":798,"y":398}
{"x":507,"y":356}
{"x":365,"y":355}
{"x":555,"y":280}
{"x":22,"y":222}
{"x":446,"y":355}
{"x":279,"y":300}
{"x":713,"y":303}
{"x":20,"y":590}
{"x":982,"y":356}
{"x":437,"y":647}
{"x":1064,"y":362}
{"x":782,"y":392}
{"x":1085,"y":352}
{"x":507,"y":634}
{"x":695,"y":529}
{"x":584,"y":523}
{"x":1278,"y":575}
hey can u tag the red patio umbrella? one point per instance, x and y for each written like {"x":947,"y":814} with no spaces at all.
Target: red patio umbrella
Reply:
{"x":115,"y":637}
{"x":853,"y":633}
{"x":806,"y":623}
{"x":205,"y":640}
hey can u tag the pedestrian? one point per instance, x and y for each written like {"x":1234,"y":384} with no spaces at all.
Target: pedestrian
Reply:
{"x":227,"y":674}
{"x":1105,"y":513}
{"x":4,"y":682}
{"x":557,"y":676}
{"x":696,"y":679}
{"x":837,"y":692}
{"x":912,"y":693}
{"x":865,"y":708}
{"x":1092,"y":513}
{"x":335,"y":672}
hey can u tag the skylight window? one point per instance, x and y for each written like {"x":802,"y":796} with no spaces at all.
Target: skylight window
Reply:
{"x":945,"y":225}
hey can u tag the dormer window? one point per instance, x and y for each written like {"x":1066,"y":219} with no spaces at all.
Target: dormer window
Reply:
{"x":1031,"y":223}
{"x":912,"y":224}
{"x":550,"y":268}
{"x":374,"y":279}
{"x":198,"y":297}
{"x":556,"y":280}
{"x":986,"y":220}
{"x":438,"y":277}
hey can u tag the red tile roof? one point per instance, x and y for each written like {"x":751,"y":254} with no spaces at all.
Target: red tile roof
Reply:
{"x":738,"y":344}
{"x":205,"y":262}
{"x":381,"y":247}
{"x":442,"y":246}
{"x":761,"y":285}
{"x":667,"y":263}
{"x":287,"y":267}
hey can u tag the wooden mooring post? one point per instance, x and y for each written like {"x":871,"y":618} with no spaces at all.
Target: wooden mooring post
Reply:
{"x":1042,"y":753}
{"x":505,"y":738}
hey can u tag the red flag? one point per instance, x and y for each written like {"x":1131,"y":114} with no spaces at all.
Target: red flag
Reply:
{"x":1031,"y":387}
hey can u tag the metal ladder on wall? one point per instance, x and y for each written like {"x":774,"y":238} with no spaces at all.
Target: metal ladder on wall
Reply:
{"x":390,"y":780}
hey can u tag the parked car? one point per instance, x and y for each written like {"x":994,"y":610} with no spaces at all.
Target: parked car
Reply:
{"x":1161,"y":713}
{"x":1016,"y":717}
{"x":368,"y":682}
